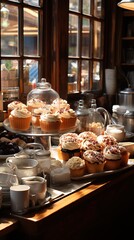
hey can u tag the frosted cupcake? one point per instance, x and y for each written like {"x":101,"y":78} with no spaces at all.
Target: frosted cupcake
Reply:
{"x":50,"y":123}
{"x":68,"y":146}
{"x":68,"y":119}
{"x":94,"y":160}
{"x":20,"y":119}
{"x":60,"y":105}
{"x":124,"y":156}
{"x":112,"y":155}
{"x":76,"y":166}
{"x":36,"y":117}
{"x":15,"y":104}
{"x":106,"y":140}
{"x":35,"y":103}
{"x":90,"y":144}
{"x":87,"y":135}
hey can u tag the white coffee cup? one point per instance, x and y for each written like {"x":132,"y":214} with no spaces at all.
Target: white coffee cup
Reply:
{"x":19,"y":197}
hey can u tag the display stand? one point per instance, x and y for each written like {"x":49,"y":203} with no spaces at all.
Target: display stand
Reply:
{"x":36,"y":133}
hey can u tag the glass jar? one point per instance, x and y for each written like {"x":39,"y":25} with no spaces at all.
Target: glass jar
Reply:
{"x":96,"y":122}
{"x":82,"y":115}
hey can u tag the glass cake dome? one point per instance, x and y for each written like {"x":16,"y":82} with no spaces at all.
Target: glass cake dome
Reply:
{"x":43,"y":92}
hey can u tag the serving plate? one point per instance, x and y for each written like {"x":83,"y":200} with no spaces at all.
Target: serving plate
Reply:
{"x":4,"y":157}
{"x":32,"y":131}
{"x":105,"y":173}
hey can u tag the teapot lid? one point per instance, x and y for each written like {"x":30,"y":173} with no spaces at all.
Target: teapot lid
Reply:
{"x":127,"y":90}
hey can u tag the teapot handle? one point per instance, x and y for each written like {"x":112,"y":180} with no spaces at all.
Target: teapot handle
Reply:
{"x":107,"y":118}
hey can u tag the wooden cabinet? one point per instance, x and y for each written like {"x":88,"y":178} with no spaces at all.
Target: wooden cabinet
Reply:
{"x":127,"y":48}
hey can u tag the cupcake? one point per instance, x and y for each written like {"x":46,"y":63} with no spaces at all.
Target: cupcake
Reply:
{"x":60,"y":105}
{"x":68,"y":119}
{"x":36,"y":117}
{"x":86,"y":135}
{"x":113,"y":157}
{"x":124,"y":155}
{"x":68,"y":146}
{"x":20,"y":119}
{"x":76,"y":166}
{"x":90,"y":144}
{"x":49,"y":122}
{"x":11,"y":106}
{"x":106,"y":140}
{"x":35,"y":103}
{"x":94,"y":161}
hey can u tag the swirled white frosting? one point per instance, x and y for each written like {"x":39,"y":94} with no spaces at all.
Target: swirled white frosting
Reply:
{"x":87,"y":135}
{"x":90,"y":143}
{"x":93,"y":156}
{"x":69,"y":141}
{"x":70,"y":113}
{"x":70,"y":144}
{"x":69,"y":136}
{"x":106,"y":140}
{"x":21,"y":112}
{"x":15,"y":104}
{"x":112,"y":152}
{"x":35,"y":103}
{"x":49,"y":117}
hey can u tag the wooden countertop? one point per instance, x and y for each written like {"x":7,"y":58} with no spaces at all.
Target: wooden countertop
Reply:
{"x":100,"y":202}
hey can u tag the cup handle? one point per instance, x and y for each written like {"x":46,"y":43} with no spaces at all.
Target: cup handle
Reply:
{"x":11,"y":165}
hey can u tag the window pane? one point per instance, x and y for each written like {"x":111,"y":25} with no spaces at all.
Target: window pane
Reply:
{"x":96,"y":75}
{"x":73,"y":35}
{"x":85,"y":75}
{"x":31,"y":32}
{"x":15,"y":0}
{"x":9,"y":79}
{"x":86,"y":38}
{"x":98,"y":8}
{"x":74,"y":5}
{"x":72,"y":76}
{"x":30,"y":71}
{"x":87,"y":7}
{"x":97,"y":39}
{"x":32,"y":2}
{"x":9,"y":30}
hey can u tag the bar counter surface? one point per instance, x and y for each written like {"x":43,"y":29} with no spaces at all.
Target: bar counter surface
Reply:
{"x":103,"y":210}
